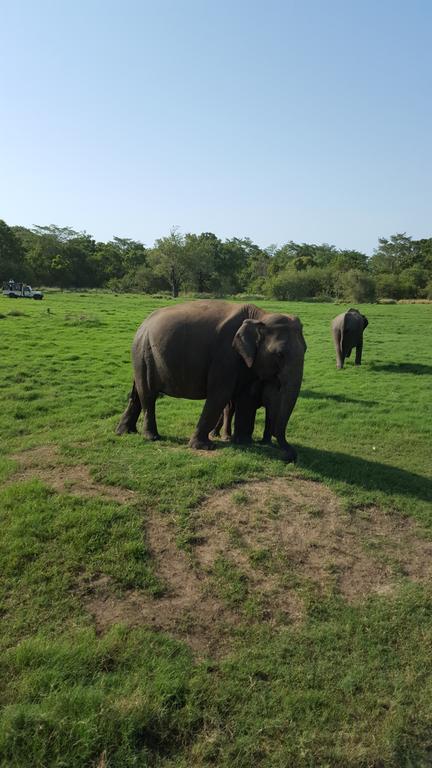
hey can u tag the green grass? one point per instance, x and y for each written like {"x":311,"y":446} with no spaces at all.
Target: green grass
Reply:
{"x":349,"y":686}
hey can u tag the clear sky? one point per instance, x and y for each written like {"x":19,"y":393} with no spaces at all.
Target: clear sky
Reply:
{"x":305,"y":120}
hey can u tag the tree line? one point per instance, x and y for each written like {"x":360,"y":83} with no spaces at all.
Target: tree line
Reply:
{"x":53,"y":256}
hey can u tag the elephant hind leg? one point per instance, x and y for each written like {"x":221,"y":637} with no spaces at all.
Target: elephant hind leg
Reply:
{"x":148,"y":404}
{"x":359,"y":350}
{"x":217,"y":429}
{"x":150,"y":430}
{"x":129,"y":418}
{"x":337,"y":338}
{"x":228,"y":415}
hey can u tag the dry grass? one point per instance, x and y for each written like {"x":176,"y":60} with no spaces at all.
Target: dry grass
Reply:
{"x":282,"y":540}
{"x":45,"y":464}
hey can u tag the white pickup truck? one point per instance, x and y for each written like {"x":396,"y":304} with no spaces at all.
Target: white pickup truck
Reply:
{"x":20,"y":291}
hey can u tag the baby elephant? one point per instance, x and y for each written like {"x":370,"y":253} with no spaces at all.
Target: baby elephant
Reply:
{"x":347,"y":331}
{"x":244,"y":407}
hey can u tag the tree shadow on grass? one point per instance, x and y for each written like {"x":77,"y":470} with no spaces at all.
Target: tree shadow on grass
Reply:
{"x":367,"y":475}
{"x":417,"y":368}
{"x":308,"y":394}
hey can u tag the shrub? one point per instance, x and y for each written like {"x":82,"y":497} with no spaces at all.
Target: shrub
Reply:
{"x":357,"y":286}
{"x":304,"y":284}
{"x":291,"y":285}
{"x":388,"y":286}
{"x":140,"y":280}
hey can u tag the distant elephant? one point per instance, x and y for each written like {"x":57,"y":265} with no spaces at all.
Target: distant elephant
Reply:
{"x":214,"y":350}
{"x":243,"y":410}
{"x":347,"y":330}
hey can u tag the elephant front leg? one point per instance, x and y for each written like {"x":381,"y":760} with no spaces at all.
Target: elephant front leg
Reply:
{"x":244,"y":421}
{"x":267,"y":436}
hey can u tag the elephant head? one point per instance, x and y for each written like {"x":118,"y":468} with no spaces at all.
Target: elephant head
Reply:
{"x":274,"y":348}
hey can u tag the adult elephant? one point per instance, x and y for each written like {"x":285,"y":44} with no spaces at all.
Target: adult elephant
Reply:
{"x":347,"y":330}
{"x":214,"y":350}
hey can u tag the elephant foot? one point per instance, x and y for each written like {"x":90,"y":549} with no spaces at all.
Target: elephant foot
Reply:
{"x":152,"y":436}
{"x":126,"y":429}
{"x":289,"y":454}
{"x":242,"y":440}
{"x":214,"y":434}
{"x":266,"y":441}
{"x":226,"y":438}
{"x":201,"y":445}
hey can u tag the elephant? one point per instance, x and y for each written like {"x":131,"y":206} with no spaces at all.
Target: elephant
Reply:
{"x":259,"y":393}
{"x":347,"y":330}
{"x":214,"y":350}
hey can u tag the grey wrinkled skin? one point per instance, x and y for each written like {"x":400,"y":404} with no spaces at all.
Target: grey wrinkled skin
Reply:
{"x":214,"y":350}
{"x":347,"y":330}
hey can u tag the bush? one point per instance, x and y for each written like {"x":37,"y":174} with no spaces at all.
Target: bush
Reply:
{"x":357,"y":286}
{"x":388,"y":286}
{"x":304,"y":284}
{"x":291,"y":285}
{"x":140,"y":280}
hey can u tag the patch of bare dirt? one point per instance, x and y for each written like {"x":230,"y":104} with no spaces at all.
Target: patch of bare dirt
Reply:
{"x":288,"y":533}
{"x":44,"y":463}
{"x":281,"y":540}
{"x":185,"y":610}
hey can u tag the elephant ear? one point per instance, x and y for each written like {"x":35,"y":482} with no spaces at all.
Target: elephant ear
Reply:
{"x":365,"y":321}
{"x":247,"y":339}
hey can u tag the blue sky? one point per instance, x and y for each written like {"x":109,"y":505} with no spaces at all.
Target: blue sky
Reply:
{"x":277,"y":120}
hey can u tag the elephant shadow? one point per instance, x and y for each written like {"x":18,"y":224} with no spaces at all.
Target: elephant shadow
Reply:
{"x":308,"y":394}
{"x":417,"y":368}
{"x":353,"y":470}
{"x":365,"y":474}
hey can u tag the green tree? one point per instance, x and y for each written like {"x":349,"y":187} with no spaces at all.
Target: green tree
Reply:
{"x":232,"y":260}
{"x":12,"y":263}
{"x":170,"y":260}
{"x":393,"y":255}
{"x":302,"y":256}
{"x":201,"y":255}
{"x":344,"y":260}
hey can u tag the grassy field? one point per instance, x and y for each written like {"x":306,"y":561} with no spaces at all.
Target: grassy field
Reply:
{"x":164,"y":607}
